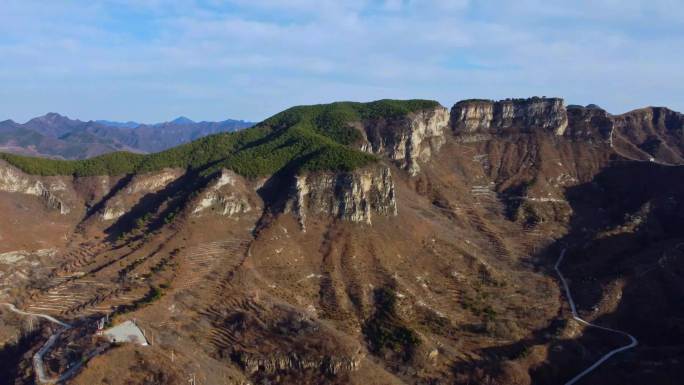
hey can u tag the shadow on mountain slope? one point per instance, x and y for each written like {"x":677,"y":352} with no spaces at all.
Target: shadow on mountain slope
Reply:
{"x":625,"y":230}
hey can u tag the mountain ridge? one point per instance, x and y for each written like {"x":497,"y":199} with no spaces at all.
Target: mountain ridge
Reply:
{"x":469,"y":117}
{"x":391,"y":242}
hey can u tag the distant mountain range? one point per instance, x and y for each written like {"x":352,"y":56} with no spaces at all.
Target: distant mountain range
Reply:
{"x":56,"y":136}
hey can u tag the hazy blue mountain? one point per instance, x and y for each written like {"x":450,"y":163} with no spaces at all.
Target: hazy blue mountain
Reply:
{"x":57,"y":136}
{"x":110,"y":123}
{"x":182,"y":120}
{"x":160,"y":136}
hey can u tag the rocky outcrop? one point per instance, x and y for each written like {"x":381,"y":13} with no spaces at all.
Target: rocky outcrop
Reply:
{"x":138,"y":187}
{"x":224,"y":196}
{"x":352,"y":196}
{"x":147,"y":183}
{"x":476,"y":120}
{"x":408,"y":140}
{"x":291,"y":342}
{"x":653,"y":134}
{"x":294,"y":362}
{"x":11,"y":257}
{"x":112,"y":212}
{"x":15,"y":181}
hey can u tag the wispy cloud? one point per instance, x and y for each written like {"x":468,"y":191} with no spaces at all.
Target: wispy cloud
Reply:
{"x":211,"y":59}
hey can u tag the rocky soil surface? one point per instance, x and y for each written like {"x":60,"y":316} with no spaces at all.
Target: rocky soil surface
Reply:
{"x":433,"y":265}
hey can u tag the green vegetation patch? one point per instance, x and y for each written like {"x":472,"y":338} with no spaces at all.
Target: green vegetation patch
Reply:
{"x":332,"y":120}
{"x":304,"y":138}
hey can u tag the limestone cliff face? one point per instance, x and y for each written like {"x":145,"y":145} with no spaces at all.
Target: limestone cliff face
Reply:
{"x":48,"y":189}
{"x":331,"y":365}
{"x":653,"y":134}
{"x":353,"y":196}
{"x":408,"y":140}
{"x":146,"y":183}
{"x":225,"y":196}
{"x":139,"y":186}
{"x":475,"y":120}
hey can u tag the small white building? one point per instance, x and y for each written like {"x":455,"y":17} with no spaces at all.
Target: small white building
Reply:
{"x":126,"y":332}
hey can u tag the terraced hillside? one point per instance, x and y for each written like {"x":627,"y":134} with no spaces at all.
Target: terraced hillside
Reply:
{"x":392,"y":242}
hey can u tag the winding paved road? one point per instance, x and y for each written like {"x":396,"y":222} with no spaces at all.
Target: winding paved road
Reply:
{"x":38,"y":366}
{"x":44,"y":316}
{"x":576,"y":317}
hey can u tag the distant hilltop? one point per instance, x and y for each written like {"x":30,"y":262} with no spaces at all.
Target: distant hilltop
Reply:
{"x":56,"y":136}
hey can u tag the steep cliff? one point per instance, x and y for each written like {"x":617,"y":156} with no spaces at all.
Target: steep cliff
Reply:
{"x":47,"y":189}
{"x":226,"y":195}
{"x":354,"y":196}
{"x":330,"y":365}
{"x":475,"y":120}
{"x":407,"y":140}
{"x":135,"y":190}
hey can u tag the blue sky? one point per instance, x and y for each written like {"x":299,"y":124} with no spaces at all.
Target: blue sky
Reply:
{"x":152,"y":60}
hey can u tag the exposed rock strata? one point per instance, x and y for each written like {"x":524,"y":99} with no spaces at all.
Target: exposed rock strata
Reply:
{"x":113,"y":212}
{"x":475,"y":120}
{"x":14,"y":181}
{"x":352,"y":196}
{"x":135,"y":190}
{"x":225,"y":196}
{"x":331,"y":365}
{"x":408,"y":140}
{"x":147,"y":183}
{"x":647,"y":134}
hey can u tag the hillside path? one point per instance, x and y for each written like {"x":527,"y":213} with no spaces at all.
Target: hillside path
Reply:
{"x":576,"y":317}
{"x":38,"y":366}
{"x":44,"y":316}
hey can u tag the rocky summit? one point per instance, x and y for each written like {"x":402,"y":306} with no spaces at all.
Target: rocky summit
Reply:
{"x":391,"y":242}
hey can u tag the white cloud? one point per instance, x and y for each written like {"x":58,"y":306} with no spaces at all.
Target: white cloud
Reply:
{"x":250,"y":58}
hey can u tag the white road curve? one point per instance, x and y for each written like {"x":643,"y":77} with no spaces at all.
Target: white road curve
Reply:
{"x":38,"y":366}
{"x":576,"y":317}
{"x":44,"y":316}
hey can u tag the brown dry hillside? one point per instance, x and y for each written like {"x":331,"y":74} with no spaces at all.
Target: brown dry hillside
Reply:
{"x":386,"y":243}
